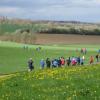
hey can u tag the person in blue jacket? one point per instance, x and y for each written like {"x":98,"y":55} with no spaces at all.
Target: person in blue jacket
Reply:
{"x":42,"y":63}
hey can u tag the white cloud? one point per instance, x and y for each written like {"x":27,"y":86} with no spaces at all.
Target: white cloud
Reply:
{"x":4,"y":10}
{"x":85,"y":3}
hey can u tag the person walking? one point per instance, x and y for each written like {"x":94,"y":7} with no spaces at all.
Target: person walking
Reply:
{"x":81,"y":61}
{"x":48,"y":63}
{"x":91,"y":60}
{"x":59,"y":62}
{"x":78,"y":60}
{"x":62,"y":61}
{"x":68,"y":61}
{"x":97,"y":57}
{"x":30,"y":64}
{"x":42,"y":63}
{"x":55,"y":63}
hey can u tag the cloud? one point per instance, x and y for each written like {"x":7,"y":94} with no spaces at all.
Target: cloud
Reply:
{"x":83,"y":10}
{"x":86,"y":3}
{"x":6,"y":10}
{"x":41,"y":3}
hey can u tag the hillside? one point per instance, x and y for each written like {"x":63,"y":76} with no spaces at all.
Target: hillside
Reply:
{"x":51,"y":27}
{"x":32,"y":32}
{"x":74,"y":83}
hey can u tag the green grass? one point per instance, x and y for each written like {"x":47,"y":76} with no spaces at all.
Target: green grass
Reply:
{"x":14,"y":58}
{"x":73,"y":83}
{"x":68,"y":83}
{"x":10,"y":28}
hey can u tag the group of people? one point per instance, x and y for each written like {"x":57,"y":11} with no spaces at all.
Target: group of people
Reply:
{"x":61,"y":62}
{"x":83,"y":50}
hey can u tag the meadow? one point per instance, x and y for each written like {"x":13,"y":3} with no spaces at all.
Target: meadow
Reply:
{"x":67,"y":83}
{"x":73,"y":83}
{"x":14,"y":58}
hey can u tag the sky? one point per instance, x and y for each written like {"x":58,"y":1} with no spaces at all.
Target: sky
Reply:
{"x":59,"y":10}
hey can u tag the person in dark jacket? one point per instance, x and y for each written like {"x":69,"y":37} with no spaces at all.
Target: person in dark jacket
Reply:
{"x":48,"y":63}
{"x":78,"y":60}
{"x":59,"y":62}
{"x":68,"y":61}
{"x":97,"y":57}
{"x":30,"y":64}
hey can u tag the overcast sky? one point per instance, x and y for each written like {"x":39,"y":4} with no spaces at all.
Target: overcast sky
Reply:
{"x":66,"y":10}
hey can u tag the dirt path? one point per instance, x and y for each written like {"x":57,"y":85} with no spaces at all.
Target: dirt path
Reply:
{"x":4,"y":77}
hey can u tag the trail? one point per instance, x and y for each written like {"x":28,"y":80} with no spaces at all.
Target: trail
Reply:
{"x":5,"y":77}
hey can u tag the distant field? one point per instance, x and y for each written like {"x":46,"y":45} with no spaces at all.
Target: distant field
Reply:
{"x":14,"y":58}
{"x":49,"y":32}
{"x":52,"y":39}
{"x":66,"y":39}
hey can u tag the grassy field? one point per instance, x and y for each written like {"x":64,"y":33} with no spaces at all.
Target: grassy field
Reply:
{"x":68,"y":83}
{"x":73,"y":83}
{"x":13,"y":57}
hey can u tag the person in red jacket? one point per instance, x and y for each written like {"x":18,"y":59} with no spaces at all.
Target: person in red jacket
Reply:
{"x":62,"y":61}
